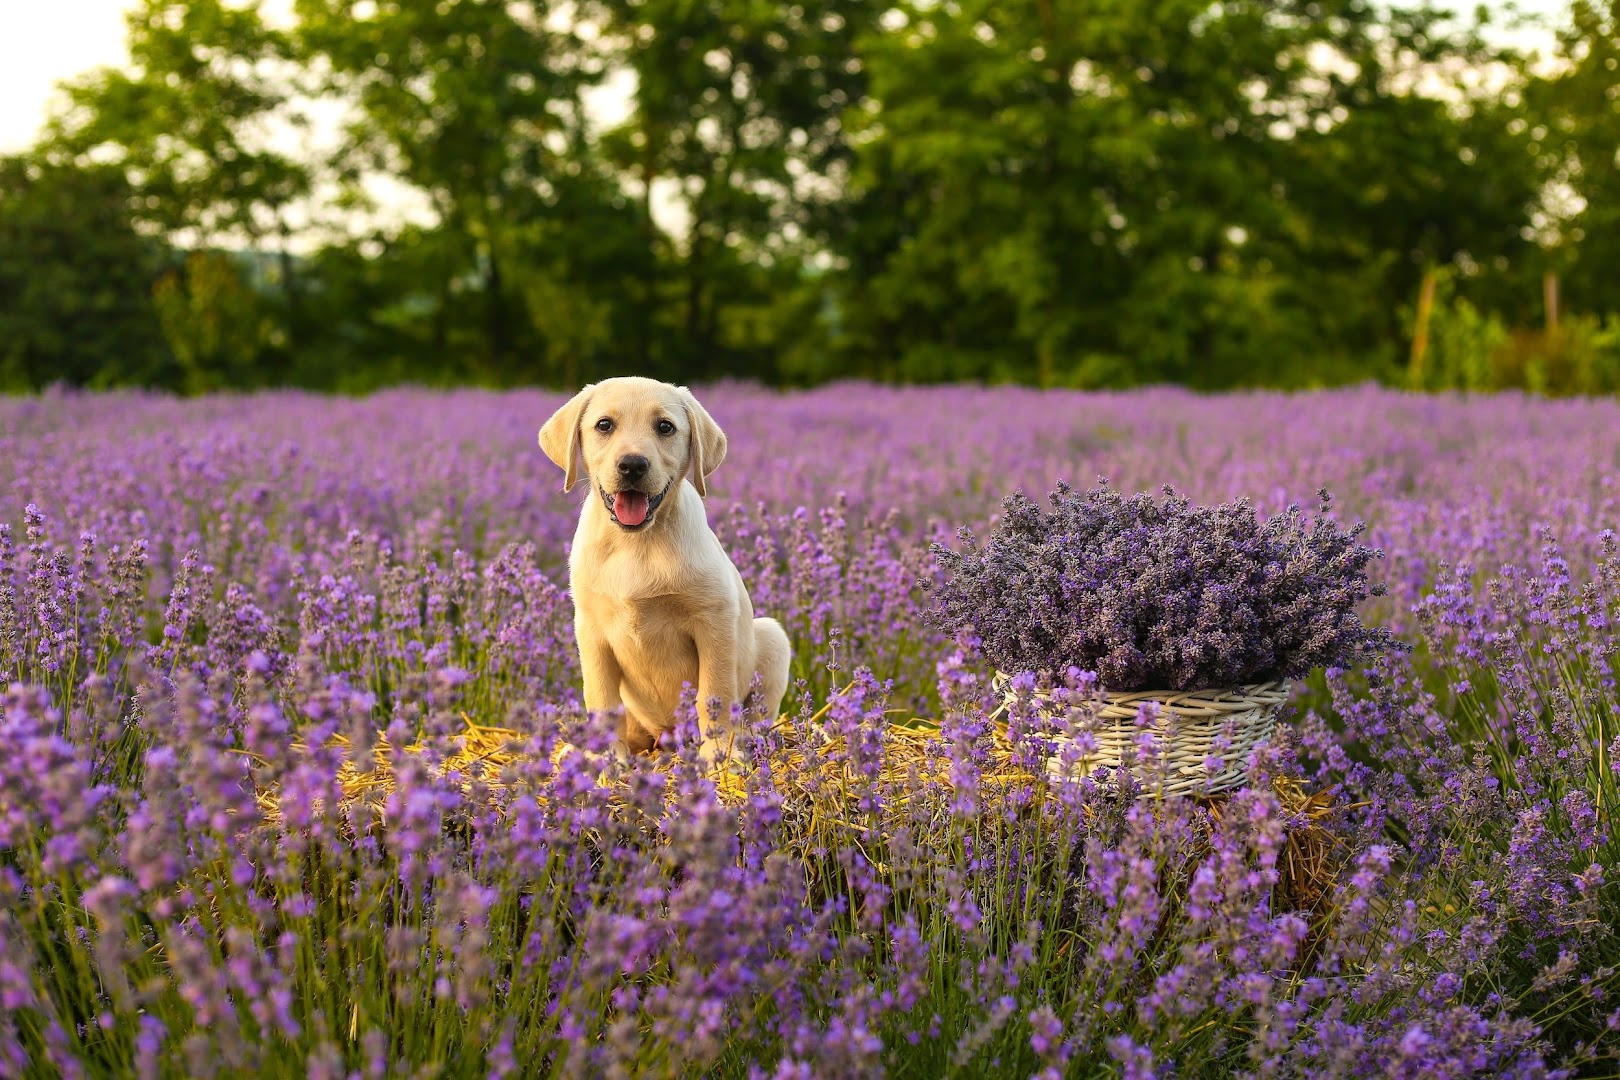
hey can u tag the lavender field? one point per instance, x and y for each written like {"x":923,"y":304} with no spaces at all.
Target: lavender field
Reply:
{"x":212,"y":609}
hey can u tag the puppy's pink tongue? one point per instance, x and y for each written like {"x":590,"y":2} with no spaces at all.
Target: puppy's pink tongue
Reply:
{"x":630,"y":507}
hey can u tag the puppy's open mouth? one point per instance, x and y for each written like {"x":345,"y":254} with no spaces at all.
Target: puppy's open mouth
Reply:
{"x":633,"y":509}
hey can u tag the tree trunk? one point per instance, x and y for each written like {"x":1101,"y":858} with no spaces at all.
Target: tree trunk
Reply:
{"x":649,"y":277}
{"x":289,"y":283}
{"x":1043,"y":365}
{"x":694,"y":293}
{"x":1415,"y":374}
{"x":1203,"y":342}
{"x":441,"y":318}
{"x":496,"y":330}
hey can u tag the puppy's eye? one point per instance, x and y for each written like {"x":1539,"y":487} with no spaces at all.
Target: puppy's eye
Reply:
{"x":604,"y":425}
{"x":665,"y":427}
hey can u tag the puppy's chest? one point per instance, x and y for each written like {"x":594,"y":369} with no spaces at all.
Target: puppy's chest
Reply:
{"x":653,"y":619}
{"x":649,"y":634}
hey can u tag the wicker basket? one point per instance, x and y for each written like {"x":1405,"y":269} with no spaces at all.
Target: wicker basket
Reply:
{"x":1190,"y":722}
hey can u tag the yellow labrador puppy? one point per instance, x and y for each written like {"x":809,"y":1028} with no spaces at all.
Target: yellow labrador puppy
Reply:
{"x":657,"y":602}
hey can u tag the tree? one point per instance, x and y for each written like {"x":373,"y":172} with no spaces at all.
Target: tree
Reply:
{"x":75,"y":281}
{"x":740,"y":108}
{"x":1128,"y":192}
{"x":1575,"y":124}
{"x":186,"y":122}
{"x":477,"y":104}
{"x":1408,"y":183}
{"x":215,"y":325}
{"x":1056,"y":160}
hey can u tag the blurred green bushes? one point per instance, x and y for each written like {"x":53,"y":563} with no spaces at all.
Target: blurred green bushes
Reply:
{"x":1474,"y":350}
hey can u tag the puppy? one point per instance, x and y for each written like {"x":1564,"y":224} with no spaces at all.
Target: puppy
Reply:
{"x":657,"y":602}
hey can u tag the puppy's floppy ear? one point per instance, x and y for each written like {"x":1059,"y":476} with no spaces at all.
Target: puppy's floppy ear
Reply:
{"x":560,"y":436}
{"x":708,"y":442}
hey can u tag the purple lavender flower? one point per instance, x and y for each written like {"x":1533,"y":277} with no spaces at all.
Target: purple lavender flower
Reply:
{"x":1160,"y":594}
{"x":221,"y":614}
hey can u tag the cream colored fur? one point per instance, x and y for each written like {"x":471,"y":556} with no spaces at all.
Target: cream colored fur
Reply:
{"x":663,"y":605}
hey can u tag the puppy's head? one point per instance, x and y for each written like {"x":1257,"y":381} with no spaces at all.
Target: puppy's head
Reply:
{"x":634,"y":440}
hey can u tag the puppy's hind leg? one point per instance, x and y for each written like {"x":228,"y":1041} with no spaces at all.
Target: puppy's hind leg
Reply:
{"x":773,"y":654}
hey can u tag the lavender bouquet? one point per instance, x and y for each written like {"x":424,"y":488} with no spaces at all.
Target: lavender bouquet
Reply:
{"x":1156,"y":593}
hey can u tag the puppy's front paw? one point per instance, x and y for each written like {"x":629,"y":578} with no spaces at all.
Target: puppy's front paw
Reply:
{"x":728,"y":751}
{"x":612,"y":763}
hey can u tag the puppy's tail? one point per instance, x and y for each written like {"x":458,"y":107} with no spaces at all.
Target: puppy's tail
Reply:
{"x":774,"y":654}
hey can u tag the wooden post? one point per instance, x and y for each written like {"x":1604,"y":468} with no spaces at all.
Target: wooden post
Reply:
{"x":1420,"y":331}
{"x":1549,"y":299}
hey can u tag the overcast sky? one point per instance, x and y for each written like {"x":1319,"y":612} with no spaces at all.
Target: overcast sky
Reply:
{"x":45,"y":41}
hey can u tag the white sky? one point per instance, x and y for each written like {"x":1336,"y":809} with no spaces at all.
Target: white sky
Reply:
{"x":43,"y":42}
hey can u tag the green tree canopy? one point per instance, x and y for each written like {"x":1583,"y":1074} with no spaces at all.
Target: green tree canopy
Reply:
{"x":75,"y":281}
{"x":186,"y":121}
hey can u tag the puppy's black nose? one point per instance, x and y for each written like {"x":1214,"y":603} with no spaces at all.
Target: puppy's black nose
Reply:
{"x":633,"y":467}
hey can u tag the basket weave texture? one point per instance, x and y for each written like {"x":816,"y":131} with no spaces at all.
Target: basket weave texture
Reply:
{"x":1193,"y":726}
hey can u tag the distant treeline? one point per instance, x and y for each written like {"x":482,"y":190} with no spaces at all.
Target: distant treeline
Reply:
{"x":1106,"y":193}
